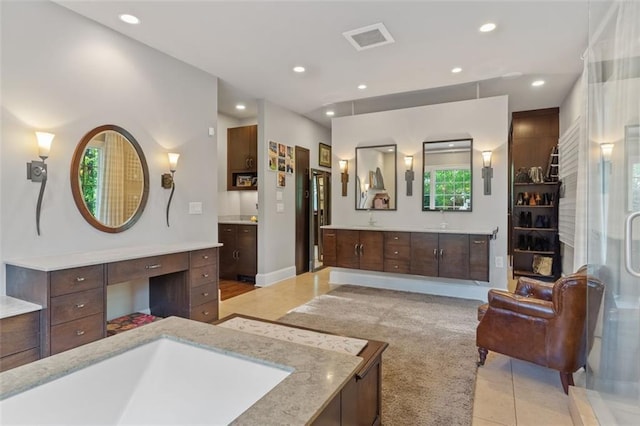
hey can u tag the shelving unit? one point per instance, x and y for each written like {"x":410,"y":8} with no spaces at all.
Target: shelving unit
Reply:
{"x":530,"y":240}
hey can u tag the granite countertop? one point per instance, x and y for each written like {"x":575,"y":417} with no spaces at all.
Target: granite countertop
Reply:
{"x":237,"y":220}
{"x":10,"y":307}
{"x":316,"y":378}
{"x":479,"y":231}
{"x":74,"y":260}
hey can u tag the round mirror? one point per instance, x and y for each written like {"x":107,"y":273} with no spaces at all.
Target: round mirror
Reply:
{"x":109,"y":178}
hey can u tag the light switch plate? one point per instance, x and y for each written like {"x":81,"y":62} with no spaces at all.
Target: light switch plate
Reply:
{"x":278,"y":195}
{"x":499,"y":262}
{"x":195,"y":207}
{"x":279,"y":207}
{"x":212,"y":131}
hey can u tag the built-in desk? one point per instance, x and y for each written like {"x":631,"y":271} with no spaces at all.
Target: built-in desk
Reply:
{"x":183,"y":281}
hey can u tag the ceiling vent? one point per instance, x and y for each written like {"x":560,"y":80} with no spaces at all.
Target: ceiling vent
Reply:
{"x":370,"y":36}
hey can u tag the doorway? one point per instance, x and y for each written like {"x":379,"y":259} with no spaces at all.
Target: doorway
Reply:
{"x":303,"y":212}
{"x":320,"y":207}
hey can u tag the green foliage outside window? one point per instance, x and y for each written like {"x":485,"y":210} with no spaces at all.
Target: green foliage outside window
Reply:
{"x":451,"y":189}
{"x":89,"y":168}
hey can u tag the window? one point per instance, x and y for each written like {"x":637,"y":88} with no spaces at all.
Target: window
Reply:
{"x":450,"y":186}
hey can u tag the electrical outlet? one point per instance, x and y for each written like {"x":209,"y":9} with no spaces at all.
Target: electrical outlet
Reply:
{"x":195,"y":208}
{"x":279,"y":207}
{"x":499,"y":262}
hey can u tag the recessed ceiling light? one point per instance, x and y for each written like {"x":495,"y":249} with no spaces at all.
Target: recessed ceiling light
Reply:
{"x":241,"y":107}
{"x":513,"y":74}
{"x":456,"y":70}
{"x":537,"y":83}
{"x":298,"y":68}
{"x":451,"y":145}
{"x":362,"y":86}
{"x":391,"y":149}
{"x":330,"y":113}
{"x":129,"y":19}
{"x":489,"y":26}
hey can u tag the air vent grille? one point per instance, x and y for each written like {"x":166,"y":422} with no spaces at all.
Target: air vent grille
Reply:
{"x":368,"y":37}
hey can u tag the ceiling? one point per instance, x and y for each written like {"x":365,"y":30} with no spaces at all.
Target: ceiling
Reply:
{"x":252,"y":47}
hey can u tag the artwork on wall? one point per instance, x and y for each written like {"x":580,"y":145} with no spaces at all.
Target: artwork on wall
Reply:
{"x":324,"y":155}
{"x":282,"y":179}
{"x":281,"y":158}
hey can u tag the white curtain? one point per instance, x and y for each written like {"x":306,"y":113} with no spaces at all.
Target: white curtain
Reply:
{"x":111,"y":196}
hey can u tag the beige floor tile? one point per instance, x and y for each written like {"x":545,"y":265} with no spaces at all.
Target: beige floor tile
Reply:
{"x":494,"y":401}
{"x":542,"y":408}
{"x":477,"y":421}
{"x":532,"y":377}
{"x":497,"y":368}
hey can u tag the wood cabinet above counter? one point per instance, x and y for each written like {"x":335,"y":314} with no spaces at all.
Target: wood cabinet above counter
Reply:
{"x":443,"y":253}
{"x":242,"y":158}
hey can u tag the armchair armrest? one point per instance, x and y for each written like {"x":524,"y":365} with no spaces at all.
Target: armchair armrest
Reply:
{"x":501,"y":299}
{"x":528,"y":287}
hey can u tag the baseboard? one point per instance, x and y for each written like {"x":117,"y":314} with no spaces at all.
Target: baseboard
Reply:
{"x":264,"y":280}
{"x":442,"y":287}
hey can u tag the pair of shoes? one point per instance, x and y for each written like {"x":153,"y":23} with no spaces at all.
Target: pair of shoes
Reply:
{"x":541,"y":244}
{"x":525,"y":221}
{"x":543,"y":221}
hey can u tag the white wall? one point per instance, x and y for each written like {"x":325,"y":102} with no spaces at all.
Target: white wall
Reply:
{"x":485,"y":120}
{"x":276,"y":239}
{"x":65,"y":74}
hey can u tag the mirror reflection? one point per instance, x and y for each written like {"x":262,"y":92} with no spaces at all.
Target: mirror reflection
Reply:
{"x":447,"y":177}
{"x":109,"y":178}
{"x":376,"y":177}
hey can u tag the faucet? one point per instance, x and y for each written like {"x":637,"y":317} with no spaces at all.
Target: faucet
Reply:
{"x":443,"y":224}
{"x":371,"y":221}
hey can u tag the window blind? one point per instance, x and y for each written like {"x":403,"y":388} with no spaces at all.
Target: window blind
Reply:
{"x":568,"y":150}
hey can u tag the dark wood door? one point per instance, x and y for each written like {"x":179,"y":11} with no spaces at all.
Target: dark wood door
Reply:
{"x":303,"y":212}
{"x":247,"y":258}
{"x":454,"y":256}
{"x":371,"y":250}
{"x":479,"y":257}
{"x":330,"y":255}
{"x":227,"y":236}
{"x":424,"y":254}
{"x":347,"y":242}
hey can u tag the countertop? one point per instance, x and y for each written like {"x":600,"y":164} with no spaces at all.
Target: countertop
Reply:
{"x":237,"y":222}
{"x":316,"y":378}
{"x":10,"y":307}
{"x":479,"y":231}
{"x":74,"y":260}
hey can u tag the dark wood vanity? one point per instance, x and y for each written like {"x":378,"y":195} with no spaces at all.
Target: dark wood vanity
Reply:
{"x":183,"y":281}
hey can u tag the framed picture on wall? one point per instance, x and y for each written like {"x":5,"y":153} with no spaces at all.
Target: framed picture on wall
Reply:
{"x":324,"y":155}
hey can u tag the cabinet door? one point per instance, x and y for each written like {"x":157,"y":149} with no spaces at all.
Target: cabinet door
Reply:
{"x":329,"y":253}
{"x":371,"y":243}
{"x":424,"y":254}
{"x":227,"y":236}
{"x":247,"y":245}
{"x":454,"y":256}
{"x":479,"y":257}
{"x":242,"y":148}
{"x":347,"y":243}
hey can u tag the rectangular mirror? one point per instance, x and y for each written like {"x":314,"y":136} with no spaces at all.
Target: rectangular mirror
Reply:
{"x":376,"y":177}
{"x":447,"y":175}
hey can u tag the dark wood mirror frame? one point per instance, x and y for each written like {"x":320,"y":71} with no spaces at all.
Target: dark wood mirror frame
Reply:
{"x":75,"y":181}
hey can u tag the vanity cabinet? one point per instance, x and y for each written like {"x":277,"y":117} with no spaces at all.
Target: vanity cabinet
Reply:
{"x":19,"y":340}
{"x":431,"y":254}
{"x":239,"y":253}
{"x":242,"y":158}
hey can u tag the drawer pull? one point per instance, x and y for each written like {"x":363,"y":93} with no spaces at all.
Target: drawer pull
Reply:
{"x":479,"y":241}
{"x":80,"y":279}
{"x":205,"y":256}
{"x":395,"y":252}
{"x":205,"y":313}
{"x":395,"y":266}
{"x":79,"y":332}
{"x":154,"y":266}
{"x":205,"y":275}
{"x":395,"y":238}
{"x":205,"y":294}
{"x":80,"y":305}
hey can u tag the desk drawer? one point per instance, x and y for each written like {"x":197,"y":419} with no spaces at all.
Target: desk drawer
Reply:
{"x":205,"y":313}
{"x":76,"y":279}
{"x":21,"y":358}
{"x":76,"y":333}
{"x":203,"y":275}
{"x":204,"y":257}
{"x":128,"y":270}
{"x":19,"y":333}
{"x":76,"y":305}
{"x":203,"y":294}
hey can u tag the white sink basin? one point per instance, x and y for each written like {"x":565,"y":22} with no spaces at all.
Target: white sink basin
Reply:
{"x":162,"y":382}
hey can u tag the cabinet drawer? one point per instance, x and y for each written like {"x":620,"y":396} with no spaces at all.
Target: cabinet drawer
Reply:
{"x":204,"y":294}
{"x":203,"y":275}
{"x":205,"y":313}
{"x":76,"y":305}
{"x":398,"y":266}
{"x":75,"y":333}
{"x":76,"y":279}
{"x":19,"y":333}
{"x":21,"y":358}
{"x":397,"y":252}
{"x":397,"y":238}
{"x":204,"y":257}
{"x":128,"y":270}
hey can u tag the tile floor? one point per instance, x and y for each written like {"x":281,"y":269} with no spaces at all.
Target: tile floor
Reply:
{"x":508,"y":391}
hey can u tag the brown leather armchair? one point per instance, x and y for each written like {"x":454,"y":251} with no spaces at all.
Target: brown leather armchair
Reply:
{"x":548,"y":324}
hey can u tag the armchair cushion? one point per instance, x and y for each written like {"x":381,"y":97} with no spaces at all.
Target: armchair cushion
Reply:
{"x":500,"y":299}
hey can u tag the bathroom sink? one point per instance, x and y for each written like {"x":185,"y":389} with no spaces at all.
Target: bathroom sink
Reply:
{"x":161,"y":382}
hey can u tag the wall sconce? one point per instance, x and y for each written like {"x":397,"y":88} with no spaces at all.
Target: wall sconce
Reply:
{"x":344,"y":175}
{"x":37,"y":170}
{"x":487,"y":171}
{"x":408,"y":174}
{"x":167,"y":179}
{"x":606,"y":149}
